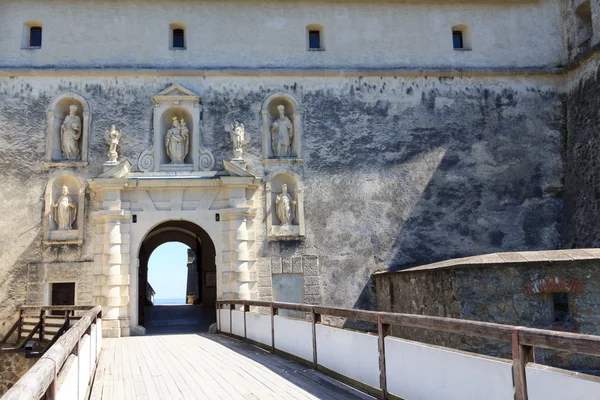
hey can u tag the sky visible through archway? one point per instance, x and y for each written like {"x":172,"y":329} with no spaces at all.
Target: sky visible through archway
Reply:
{"x":167,"y":273}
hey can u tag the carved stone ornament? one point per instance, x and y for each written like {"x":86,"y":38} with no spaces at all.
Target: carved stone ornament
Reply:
{"x":113,"y":136}
{"x":237,"y":134}
{"x":146,"y":161}
{"x":206,"y":160}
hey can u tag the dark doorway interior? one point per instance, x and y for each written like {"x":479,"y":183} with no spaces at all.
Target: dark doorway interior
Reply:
{"x":185,"y":318}
{"x":63,"y":294}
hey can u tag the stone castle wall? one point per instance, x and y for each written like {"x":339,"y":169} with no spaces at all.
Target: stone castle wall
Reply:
{"x":514,"y":289}
{"x":397,"y":171}
{"x":12,"y":367}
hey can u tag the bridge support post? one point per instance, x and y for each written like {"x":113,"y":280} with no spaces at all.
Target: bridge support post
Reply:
{"x":274,"y":312}
{"x":246,"y":309}
{"x":383,"y":330}
{"x":316,"y":319}
{"x":521,"y":356}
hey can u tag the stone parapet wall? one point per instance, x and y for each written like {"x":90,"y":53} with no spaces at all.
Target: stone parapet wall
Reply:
{"x":505,"y":288}
{"x":12,"y":367}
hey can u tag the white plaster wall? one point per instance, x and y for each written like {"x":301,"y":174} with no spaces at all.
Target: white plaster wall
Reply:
{"x":352,"y":354}
{"x":417,"y":371}
{"x":273,"y":34}
{"x":68,"y":380}
{"x":85,"y":360}
{"x":237,"y":322}
{"x":258,"y":328}
{"x":225,"y":325}
{"x":546,"y":383}
{"x":294,"y":337}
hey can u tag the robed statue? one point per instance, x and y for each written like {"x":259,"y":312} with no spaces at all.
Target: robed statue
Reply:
{"x":282,"y":132}
{"x":177,"y":141}
{"x":285,"y":207}
{"x":70,"y":132}
{"x":65,"y":211}
{"x":237,"y":133}
{"x":113,"y":136}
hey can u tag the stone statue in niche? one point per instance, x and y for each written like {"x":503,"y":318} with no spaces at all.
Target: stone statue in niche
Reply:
{"x":113,"y":136}
{"x":236,"y":131}
{"x":65,"y":211}
{"x":282,"y":132}
{"x":70,"y":132}
{"x":285,"y":207}
{"x":177,"y":141}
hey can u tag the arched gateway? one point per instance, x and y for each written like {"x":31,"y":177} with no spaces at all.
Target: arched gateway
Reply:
{"x":136,"y":212}
{"x":198,"y":240}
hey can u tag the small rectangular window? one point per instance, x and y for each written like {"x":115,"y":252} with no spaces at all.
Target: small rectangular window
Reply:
{"x":178,"y":39}
{"x":314,"y":40}
{"x":35,"y":36}
{"x":457,"y":38}
{"x":561,"y":306}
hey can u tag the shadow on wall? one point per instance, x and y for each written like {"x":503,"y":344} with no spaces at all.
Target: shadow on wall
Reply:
{"x":469,"y":175}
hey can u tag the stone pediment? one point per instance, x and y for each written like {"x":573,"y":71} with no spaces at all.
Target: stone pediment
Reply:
{"x":176,"y":92}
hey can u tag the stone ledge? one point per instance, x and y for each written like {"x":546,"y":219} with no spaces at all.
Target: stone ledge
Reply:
{"x":52,"y":164}
{"x":55,"y":71}
{"x":512,"y":259}
{"x":62,"y":242}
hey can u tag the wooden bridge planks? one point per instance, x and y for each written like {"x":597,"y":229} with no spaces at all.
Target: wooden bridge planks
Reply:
{"x":199,"y":366}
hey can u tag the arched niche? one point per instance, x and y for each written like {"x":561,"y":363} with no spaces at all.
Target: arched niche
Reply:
{"x":276,"y":228}
{"x":53,"y":232}
{"x":182,"y":103}
{"x":270,"y":114}
{"x":166,"y":123}
{"x":56,"y":113}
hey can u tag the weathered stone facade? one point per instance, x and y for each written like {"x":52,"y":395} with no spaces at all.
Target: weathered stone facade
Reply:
{"x":402,"y":151}
{"x":506,"y":288}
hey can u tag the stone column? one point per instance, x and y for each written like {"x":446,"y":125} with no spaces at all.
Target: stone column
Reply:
{"x":111,"y":258}
{"x":238,"y":277}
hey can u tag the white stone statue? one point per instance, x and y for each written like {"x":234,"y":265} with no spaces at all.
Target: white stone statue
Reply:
{"x":285,"y":207}
{"x":113,"y":136}
{"x":177,"y":141}
{"x":236,"y":131}
{"x":65,"y":211}
{"x":282,"y":132}
{"x":70,"y":132}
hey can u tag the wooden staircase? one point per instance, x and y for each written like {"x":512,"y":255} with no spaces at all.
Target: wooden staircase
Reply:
{"x":39,"y":327}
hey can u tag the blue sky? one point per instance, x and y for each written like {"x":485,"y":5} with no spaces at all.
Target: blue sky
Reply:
{"x":167,"y":271}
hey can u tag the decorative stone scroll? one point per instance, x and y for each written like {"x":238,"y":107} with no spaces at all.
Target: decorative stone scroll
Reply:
{"x":64,"y":212}
{"x":285,"y":207}
{"x":68,"y":126}
{"x":282,"y":128}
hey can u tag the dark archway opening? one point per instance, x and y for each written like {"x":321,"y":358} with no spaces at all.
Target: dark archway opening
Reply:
{"x":195,"y":317}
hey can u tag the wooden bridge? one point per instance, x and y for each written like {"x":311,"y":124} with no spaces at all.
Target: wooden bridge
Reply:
{"x":268,"y":356}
